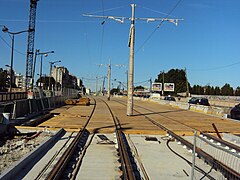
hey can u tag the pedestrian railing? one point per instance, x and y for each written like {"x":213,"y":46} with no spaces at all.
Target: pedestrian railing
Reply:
{"x":6,"y":96}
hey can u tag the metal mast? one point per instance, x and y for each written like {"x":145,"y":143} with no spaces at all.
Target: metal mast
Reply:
{"x":131,"y":64}
{"x":109,"y":79}
{"x":131,"y":45}
{"x":30,"y":48}
{"x":109,"y":75}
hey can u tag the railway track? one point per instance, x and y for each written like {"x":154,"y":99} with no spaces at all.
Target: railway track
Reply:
{"x":232,"y":150}
{"x":70,"y":162}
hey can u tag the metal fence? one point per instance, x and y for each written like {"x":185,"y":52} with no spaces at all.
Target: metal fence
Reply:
{"x":226,"y":155}
{"x":6,"y":96}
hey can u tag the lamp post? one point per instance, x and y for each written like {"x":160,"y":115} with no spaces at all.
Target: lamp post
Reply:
{"x":50,"y":74}
{"x":42,"y":54}
{"x":5,"y":29}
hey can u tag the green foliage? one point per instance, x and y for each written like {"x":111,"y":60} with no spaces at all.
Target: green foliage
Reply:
{"x":45,"y":82}
{"x":237,"y":92}
{"x":139,"y":88}
{"x":3,"y":78}
{"x":227,"y":90}
{"x":114,"y":91}
{"x":217,"y":90}
{"x":196,"y":89}
{"x":176,"y":76}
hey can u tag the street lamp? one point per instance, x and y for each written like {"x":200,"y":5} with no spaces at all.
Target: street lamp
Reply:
{"x":50,"y":74}
{"x":45,"y":54}
{"x":5,"y":30}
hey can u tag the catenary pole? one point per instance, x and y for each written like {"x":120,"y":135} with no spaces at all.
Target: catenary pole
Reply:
{"x":131,"y":64}
{"x":109,"y":79}
{"x":131,"y":45}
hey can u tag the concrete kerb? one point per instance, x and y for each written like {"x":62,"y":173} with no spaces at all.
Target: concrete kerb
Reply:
{"x":27,"y":107}
{"x":13,"y":172}
{"x":21,"y":108}
{"x":217,"y":111}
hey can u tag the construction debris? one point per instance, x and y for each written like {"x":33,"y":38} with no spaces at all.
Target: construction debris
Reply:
{"x":81,"y":101}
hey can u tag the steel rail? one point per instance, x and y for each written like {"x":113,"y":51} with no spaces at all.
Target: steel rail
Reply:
{"x":225,"y":170}
{"x":126,"y":164}
{"x":63,"y":161}
{"x":164,"y":128}
{"x":50,"y":162}
{"x":225,"y":143}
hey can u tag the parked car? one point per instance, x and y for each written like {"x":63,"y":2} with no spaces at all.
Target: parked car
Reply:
{"x":200,"y":101}
{"x":235,"y":112}
{"x":169,"y":98}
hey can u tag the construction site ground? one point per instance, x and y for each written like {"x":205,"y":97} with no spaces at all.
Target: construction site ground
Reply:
{"x":182,"y":122}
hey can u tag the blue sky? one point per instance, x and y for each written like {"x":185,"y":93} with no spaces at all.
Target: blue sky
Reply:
{"x":206,"y":43}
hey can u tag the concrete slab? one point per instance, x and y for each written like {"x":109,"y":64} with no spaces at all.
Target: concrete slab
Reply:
{"x":160,"y":163}
{"x":100,"y":161}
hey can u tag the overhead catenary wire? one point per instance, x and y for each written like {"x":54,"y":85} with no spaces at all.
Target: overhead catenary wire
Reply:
{"x":216,"y":68}
{"x":102,"y":38}
{"x":105,"y":10}
{"x":152,"y":10}
{"x":142,"y":82}
{"x":24,"y":54}
{"x":159,"y":25}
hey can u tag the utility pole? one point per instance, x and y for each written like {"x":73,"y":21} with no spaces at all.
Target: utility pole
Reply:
{"x":163,"y":84}
{"x":127,"y":78}
{"x":109,"y":79}
{"x":96,"y":84}
{"x":150,"y":85}
{"x":131,"y":45}
{"x":33,"y":69}
{"x":131,"y":64}
{"x":109,"y":65}
{"x":187,"y":87}
{"x":50,"y":73}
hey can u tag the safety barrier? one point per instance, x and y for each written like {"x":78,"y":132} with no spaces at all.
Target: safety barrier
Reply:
{"x":6,"y":96}
{"x":212,"y":110}
{"x":27,"y":107}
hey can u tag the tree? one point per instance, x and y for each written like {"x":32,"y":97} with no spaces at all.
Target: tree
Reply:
{"x":227,"y":90}
{"x":176,"y":76}
{"x":217,"y":90}
{"x":45,"y":82}
{"x":139,"y":88}
{"x":3,"y":78}
{"x":114,"y":91}
{"x":237,"y":92}
{"x":199,"y":90}
{"x":207,"y":90}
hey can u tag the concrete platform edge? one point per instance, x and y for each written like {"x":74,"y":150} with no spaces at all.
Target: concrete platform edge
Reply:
{"x":12,"y":172}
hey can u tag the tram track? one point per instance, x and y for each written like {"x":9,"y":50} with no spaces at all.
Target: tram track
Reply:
{"x":60,"y":169}
{"x":75,"y":156}
{"x":215,"y":163}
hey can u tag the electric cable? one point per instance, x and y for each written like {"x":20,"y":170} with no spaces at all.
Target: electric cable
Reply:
{"x":152,"y":10}
{"x":207,"y":173}
{"x":102,"y":40}
{"x":188,"y":162}
{"x":216,"y":68}
{"x":141,"y":82}
{"x":10,"y":46}
{"x":110,"y":9}
{"x":151,"y":34}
